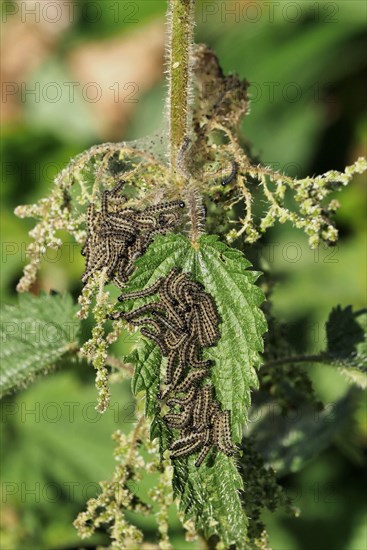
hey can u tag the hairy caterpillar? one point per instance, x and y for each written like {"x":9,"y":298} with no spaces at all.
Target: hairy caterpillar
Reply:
{"x":117,"y":236}
{"x":232,"y":175}
{"x":182,"y":322}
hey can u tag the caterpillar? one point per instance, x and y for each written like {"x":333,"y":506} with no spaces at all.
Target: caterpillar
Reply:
{"x":182,"y":321}
{"x":180,"y":420}
{"x":171,"y":364}
{"x":191,"y":379}
{"x":156,"y":339}
{"x":142,"y":293}
{"x":232,"y":175}
{"x":189,"y":447}
{"x":191,"y":395}
{"x":117,"y":236}
{"x":222,"y":432}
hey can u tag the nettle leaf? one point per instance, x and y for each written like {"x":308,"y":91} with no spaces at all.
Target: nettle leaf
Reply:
{"x":223,"y":272}
{"x":347,"y":343}
{"x":288,"y":443}
{"x":343,"y":332}
{"x":36,"y":335}
{"x":146,"y":357}
{"x":210,"y":494}
{"x":147,"y":360}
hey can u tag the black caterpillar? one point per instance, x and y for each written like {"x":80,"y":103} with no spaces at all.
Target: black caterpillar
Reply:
{"x":118,"y":236}
{"x":182,"y":322}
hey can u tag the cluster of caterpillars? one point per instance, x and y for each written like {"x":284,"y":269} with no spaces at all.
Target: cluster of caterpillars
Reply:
{"x":182,"y":322}
{"x":118,"y":235}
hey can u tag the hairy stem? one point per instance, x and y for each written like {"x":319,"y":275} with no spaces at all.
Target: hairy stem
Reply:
{"x":134,"y":441}
{"x":179,"y":54}
{"x":317,"y":358}
{"x":120,"y":365}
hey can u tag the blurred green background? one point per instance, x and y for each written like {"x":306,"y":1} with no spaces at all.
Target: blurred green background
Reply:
{"x":79,"y":73}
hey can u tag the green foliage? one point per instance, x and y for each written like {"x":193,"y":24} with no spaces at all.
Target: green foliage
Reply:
{"x":262,"y":489}
{"x":290,"y":385}
{"x":347,"y":343}
{"x":288,"y":442}
{"x":223,"y":272}
{"x":343,"y":332}
{"x":346,"y":349}
{"x":37,"y":334}
{"x":306,"y":128}
{"x":287,"y":383}
{"x":210,"y":493}
{"x":146,"y":357}
{"x":55,"y":444}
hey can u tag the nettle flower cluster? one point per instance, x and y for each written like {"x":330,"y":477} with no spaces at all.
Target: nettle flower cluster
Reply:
{"x":122,"y":494}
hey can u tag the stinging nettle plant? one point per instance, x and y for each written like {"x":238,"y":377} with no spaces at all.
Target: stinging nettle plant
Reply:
{"x":157,"y":218}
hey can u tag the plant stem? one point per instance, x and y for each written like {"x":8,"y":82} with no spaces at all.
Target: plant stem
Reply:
{"x":134,"y":440}
{"x":179,"y":60}
{"x":118,"y":364}
{"x":317,"y":358}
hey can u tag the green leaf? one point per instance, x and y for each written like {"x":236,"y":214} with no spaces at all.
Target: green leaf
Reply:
{"x":287,"y":443}
{"x":55,"y":425}
{"x":36,"y":334}
{"x":223,"y":272}
{"x":343,"y":332}
{"x":147,"y":360}
{"x":209,"y":494}
{"x":347,"y":343}
{"x":356,"y":375}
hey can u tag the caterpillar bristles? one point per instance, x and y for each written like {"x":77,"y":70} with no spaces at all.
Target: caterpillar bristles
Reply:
{"x":182,"y":321}
{"x":183,"y":400}
{"x":117,"y":232}
{"x":202,"y":455}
